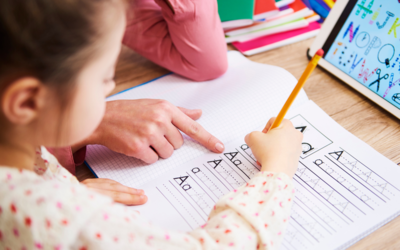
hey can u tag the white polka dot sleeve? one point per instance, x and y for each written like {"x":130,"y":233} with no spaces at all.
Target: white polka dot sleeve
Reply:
{"x":252,"y":217}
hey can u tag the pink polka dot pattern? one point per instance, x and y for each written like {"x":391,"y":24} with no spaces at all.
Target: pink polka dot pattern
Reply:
{"x":49,"y":209}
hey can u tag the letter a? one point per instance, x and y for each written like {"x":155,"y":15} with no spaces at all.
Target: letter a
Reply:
{"x":214,"y":163}
{"x":301,"y":128}
{"x":231,"y":155}
{"x":336,"y":154}
{"x":182,"y":179}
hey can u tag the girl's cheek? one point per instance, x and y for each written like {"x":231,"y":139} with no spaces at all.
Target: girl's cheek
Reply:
{"x":98,"y":110}
{"x":88,"y":112}
{"x":109,"y":87}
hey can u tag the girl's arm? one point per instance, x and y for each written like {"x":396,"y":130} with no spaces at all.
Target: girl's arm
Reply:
{"x":184,"y":36}
{"x":253,"y":217}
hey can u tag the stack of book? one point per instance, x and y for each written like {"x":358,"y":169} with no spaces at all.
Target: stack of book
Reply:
{"x":254,"y":26}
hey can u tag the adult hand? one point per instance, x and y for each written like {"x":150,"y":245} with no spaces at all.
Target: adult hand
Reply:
{"x":118,"y":192}
{"x":279,"y":149}
{"x":148,"y":129}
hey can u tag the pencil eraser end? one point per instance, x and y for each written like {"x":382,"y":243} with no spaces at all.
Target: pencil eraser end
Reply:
{"x":320,"y":52}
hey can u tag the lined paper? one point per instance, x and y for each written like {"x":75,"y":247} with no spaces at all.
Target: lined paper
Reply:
{"x":247,"y":95}
{"x":344,"y":188}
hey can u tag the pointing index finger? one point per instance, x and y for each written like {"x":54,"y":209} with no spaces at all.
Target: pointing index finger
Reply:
{"x":196,"y":131}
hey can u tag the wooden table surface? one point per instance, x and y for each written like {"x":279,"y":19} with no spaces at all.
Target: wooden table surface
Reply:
{"x":350,"y":109}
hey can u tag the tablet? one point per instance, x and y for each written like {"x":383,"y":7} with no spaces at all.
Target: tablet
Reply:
{"x":361,"y":40}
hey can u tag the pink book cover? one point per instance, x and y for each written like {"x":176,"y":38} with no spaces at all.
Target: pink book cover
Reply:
{"x":270,"y":39}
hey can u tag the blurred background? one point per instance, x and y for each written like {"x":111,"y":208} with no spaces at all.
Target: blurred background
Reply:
{"x":254,"y":26}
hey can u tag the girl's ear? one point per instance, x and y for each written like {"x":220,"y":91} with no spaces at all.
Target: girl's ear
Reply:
{"x":23,"y":100}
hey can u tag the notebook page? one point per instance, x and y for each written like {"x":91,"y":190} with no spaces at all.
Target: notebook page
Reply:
{"x":247,"y":95}
{"x":344,"y":188}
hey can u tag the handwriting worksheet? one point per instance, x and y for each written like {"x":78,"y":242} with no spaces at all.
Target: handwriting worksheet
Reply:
{"x":247,"y":95}
{"x":344,"y":188}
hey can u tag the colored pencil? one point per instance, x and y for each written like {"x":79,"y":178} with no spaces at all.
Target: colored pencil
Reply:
{"x":310,"y":67}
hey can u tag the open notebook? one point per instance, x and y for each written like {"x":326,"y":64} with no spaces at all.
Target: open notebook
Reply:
{"x":344,"y":188}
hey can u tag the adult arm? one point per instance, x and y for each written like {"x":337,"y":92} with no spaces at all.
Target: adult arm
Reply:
{"x":184,"y":36}
{"x":148,"y":129}
{"x":145,"y":128}
{"x":135,"y":128}
{"x":68,"y":157}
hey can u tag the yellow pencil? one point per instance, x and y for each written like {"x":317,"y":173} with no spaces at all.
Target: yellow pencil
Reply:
{"x":310,"y":67}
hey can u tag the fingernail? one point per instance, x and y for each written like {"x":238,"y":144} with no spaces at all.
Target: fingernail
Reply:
{"x":198,"y":111}
{"x":219,"y":147}
{"x":142,"y":197}
{"x":141,"y":191}
{"x":194,"y":110}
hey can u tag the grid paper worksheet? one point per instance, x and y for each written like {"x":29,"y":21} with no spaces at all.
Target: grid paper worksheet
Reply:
{"x":344,"y":188}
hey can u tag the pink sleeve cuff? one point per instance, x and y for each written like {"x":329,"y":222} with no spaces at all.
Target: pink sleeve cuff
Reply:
{"x":67,"y":159}
{"x":188,"y":40}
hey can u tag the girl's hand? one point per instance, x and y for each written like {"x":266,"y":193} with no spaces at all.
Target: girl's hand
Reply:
{"x":118,"y":192}
{"x":279,"y":149}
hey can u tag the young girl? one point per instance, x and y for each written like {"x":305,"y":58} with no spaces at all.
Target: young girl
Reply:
{"x":183,"y":36}
{"x":187,"y":38}
{"x":56,"y":67}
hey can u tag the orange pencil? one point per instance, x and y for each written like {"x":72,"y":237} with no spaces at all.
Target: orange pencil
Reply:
{"x":310,"y":67}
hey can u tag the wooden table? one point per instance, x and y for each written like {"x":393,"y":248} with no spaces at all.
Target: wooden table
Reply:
{"x":350,"y":109}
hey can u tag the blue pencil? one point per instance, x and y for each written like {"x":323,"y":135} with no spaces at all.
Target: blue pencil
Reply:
{"x":323,"y":5}
{"x":319,"y":8}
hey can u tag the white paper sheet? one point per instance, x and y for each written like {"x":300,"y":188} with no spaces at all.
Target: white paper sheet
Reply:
{"x":235,"y":104}
{"x":344,"y":188}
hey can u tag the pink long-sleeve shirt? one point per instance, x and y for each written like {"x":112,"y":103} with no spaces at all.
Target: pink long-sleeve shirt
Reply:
{"x":184,"y":36}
